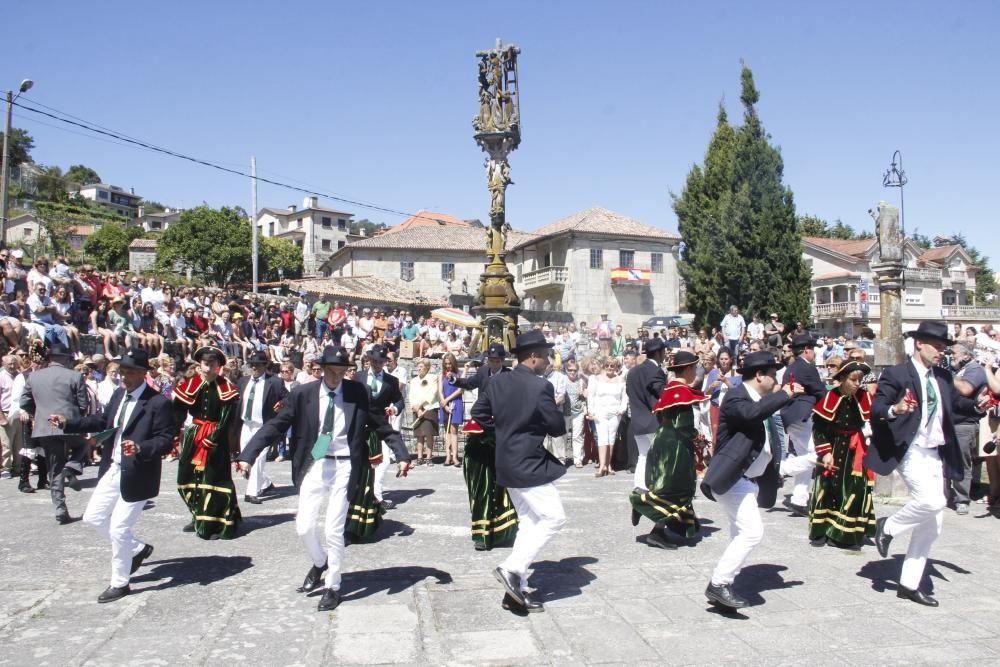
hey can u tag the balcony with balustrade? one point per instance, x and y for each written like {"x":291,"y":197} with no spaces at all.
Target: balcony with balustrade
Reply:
{"x":546,"y":277}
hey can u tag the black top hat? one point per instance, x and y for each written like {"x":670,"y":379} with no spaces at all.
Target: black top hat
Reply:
{"x":758,"y":361}
{"x":803,"y":341}
{"x":135,"y":358}
{"x":377,"y":353}
{"x":682,"y":358}
{"x":850,"y":367}
{"x":57,"y":349}
{"x":258,"y":357}
{"x":210,"y":351}
{"x":653,"y":345}
{"x":333,"y":355}
{"x":496,"y":351}
{"x":933,"y":329}
{"x":532,"y":340}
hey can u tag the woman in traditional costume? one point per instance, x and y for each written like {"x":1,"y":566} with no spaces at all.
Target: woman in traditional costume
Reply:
{"x":841,"y":512}
{"x":670,"y":464}
{"x":204,"y":475}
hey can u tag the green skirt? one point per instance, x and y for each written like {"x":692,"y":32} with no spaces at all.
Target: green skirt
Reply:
{"x":670,"y":473}
{"x":494,"y":519}
{"x":841,"y":505}
{"x":210,"y":494}
{"x":364,"y":516}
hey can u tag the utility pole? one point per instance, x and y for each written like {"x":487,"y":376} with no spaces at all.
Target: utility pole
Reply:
{"x":253,"y":216}
{"x":5,"y":178}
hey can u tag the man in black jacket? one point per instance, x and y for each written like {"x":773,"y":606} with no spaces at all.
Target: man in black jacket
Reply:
{"x":520,"y":406}
{"x":384,"y":395}
{"x":797,"y":420}
{"x":330,"y":422}
{"x":261,"y":394}
{"x":913,"y":432}
{"x":644,"y":384}
{"x":743,"y":474}
{"x":138,"y":432}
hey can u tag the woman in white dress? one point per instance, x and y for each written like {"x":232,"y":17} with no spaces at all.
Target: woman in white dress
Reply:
{"x":606,"y":403}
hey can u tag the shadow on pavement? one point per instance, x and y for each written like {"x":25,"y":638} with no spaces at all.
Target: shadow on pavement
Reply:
{"x":257,"y":521}
{"x":390,"y":580}
{"x":402,"y":495}
{"x":201,"y":570}
{"x":884,"y":573}
{"x":763,"y":577}
{"x":389,"y":528}
{"x":556,"y":580}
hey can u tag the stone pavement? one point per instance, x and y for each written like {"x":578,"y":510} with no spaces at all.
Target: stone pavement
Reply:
{"x":421,"y":595}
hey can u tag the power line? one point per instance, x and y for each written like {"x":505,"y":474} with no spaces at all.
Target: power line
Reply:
{"x":206,"y":163}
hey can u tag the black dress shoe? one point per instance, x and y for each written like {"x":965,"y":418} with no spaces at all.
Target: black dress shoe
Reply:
{"x":25,"y":489}
{"x":635,"y":517}
{"x":725,"y":596}
{"x":313,"y":580}
{"x":71,"y":480}
{"x":513,"y":606}
{"x":111,"y":593}
{"x":189,"y":528}
{"x":916,"y":596}
{"x":253,"y":500}
{"x":511,"y":582}
{"x":137,"y":559}
{"x":387,"y":504}
{"x":267,"y":490}
{"x":329,"y":601}
{"x":481,"y":546}
{"x":819,"y":542}
{"x":531,"y":604}
{"x":797,"y":510}
{"x":882,"y":540}
{"x":656,"y":539}
{"x":63,"y":518}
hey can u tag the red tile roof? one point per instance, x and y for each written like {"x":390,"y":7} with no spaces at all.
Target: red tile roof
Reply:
{"x":427,"y":219}
{"x":854,"y":248}
{"x":597,"y":220}
{"x":142,"y":244}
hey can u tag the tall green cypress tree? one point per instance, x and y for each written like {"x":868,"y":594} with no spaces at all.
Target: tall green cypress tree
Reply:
{"x":737,"y":220}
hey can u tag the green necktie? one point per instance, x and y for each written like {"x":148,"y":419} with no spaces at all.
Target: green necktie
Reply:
{"x":932,"y":399}
{"x":373,"y":383}
{"x":121,"y":415}
{"x":326,"y":432}
{"x":248,"y":411}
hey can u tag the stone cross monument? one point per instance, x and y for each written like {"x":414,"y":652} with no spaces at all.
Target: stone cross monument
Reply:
{"x":498,"y":132}
{"x":888,"y":269}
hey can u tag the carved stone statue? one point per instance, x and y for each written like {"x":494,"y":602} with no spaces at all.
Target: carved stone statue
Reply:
{"x":890,"y":238}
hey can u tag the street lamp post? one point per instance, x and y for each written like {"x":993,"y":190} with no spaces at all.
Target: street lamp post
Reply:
{"x":5,"y":182}
{"x":896,"y":178}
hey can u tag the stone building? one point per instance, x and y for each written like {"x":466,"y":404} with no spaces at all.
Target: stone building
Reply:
{"x":316,"y":230}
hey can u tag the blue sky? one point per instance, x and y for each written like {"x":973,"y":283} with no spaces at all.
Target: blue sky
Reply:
{"x":373,"y":101}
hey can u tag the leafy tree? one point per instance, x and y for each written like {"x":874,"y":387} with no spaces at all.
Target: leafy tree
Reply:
{"x":108,"y":246}
{"x":153,"y":206}
{"x":921,"y":240}
{"x":20,"y":145}
{"x":81,"y":175}
{"x":811,"y":225}
{"x":50,"y":185}
{"x":215,"y":243}
{"x":367,"y":226}
{"x":279,"y":254}
{"x":737,"y":218}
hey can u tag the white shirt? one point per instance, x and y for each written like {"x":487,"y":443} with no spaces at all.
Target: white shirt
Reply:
{"x":105,"y":389}
{"x":153,"y":296}
{"x":929,"y":435}
{"x":755,"y":330}
{"x":338,"y":437}
{"x":127,"y":408}
{"x":733,"y":326}
{"x":34,"y":302}
{"x":257,"y":409}
{"x":759,"y":465}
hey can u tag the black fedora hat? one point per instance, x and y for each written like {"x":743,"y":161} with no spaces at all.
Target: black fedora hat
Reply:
{"x":532,"y":340}
{"x":377,"y":353}
{"x":258,"y":357}
{"x":933,"y":329}
{"x":758,"y":361}
{"x":496,"y":351}
{"x":654,"y":344}
{"x":333,"y":355}
{"x":135,"y":358}
{"x":682,"y":358}
{"x":803,"y":341}
{"x":210,"y":351}
{"x":57,"y":349}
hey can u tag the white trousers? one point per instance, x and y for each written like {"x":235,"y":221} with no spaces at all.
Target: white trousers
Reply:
{"x":643,"y":441}
{"x":574,"y":425}
{"x":745,"y":528}
{"x":258,"y":480}
{"x":921,"y":471}
{"x":387,"y":459}
{"x":114,"y":518}
{"x":327,"y":479}
{"x":540,"y":516}
{"x":801,"y":466}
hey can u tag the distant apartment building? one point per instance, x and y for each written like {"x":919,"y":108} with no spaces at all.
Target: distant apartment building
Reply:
{"x":316,"y":230}
{"x":113,"y":198}
{"x":156,"y":222}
